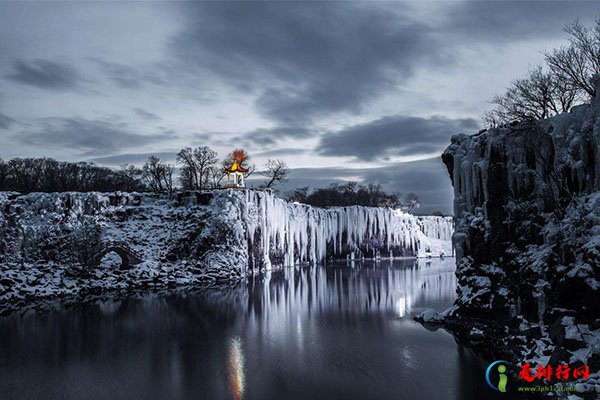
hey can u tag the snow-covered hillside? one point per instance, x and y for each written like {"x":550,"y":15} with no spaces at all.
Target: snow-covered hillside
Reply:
{"x":55,"y":244}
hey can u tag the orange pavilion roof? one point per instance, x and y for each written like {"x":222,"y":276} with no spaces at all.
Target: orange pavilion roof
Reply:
{"x":236,"y":167}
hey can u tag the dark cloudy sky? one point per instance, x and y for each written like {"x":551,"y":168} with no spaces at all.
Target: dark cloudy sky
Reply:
{"x":362,"y":91}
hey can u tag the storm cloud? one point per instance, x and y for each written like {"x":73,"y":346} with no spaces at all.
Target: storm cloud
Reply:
{"x":271,"y":136}
{"x":5,"y":121}
{"x":87,"y":137}
{"x":147,"y":115}
{"x":394,"y":136}
{"x":126,"y":76}
{"x":510,"y":21}
{"x":44,"y":74}
{"x":306,"y":61}
{"x":132,"y":158}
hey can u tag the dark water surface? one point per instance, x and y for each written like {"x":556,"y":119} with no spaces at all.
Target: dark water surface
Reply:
{"x":299,"y":333}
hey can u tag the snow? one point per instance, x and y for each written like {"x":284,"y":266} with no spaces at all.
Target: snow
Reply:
{"x":302,"y":233}
{"x":571,"y":330}
{"x":430,"y":316}
{"x":527,"y":209}
{"x":187,"y":244}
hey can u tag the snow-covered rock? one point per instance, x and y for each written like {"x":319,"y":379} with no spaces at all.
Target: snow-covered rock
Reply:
{"x":527,"y":236}
{"x":53,"y":244}
{"x":430,"y":316}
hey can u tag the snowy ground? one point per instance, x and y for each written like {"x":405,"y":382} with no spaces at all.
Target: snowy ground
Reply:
{"x":183,"y":245}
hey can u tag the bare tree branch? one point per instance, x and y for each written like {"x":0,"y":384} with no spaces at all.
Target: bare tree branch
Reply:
{"x":276,"y":171}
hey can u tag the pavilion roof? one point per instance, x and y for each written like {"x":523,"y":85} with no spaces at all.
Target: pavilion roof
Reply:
{"x":235,"y":167}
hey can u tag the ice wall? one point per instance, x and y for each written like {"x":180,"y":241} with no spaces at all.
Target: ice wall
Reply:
{"x":525,"y":199}
{"x":514,"y":172}
{"x":238,"y":229}
{"x":527,"y":240}
{"x":301,"y":233}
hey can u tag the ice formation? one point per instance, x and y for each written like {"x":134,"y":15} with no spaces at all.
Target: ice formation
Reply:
{"x":527,"y":240}
{"x":188,"y":241}
{"x":301,"y":233}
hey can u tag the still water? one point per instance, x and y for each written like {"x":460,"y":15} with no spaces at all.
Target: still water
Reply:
{"x":342,"y":332}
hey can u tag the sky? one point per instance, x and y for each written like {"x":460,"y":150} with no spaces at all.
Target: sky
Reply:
{"x":370,"y":92}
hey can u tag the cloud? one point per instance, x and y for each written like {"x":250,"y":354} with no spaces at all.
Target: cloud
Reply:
{"x":308,"y":60}
{"x":305,"y":60}
{"x":291,"y":151}
{"x":44,"y":74}
{"x":133,"y":158}
{"x":397,"y":135}
{"x":90,"y":137}
{"x":427,"y":178}
{"x":271,"y":136}
{"x":5,"y":121}
{"x":140,"y":112}
{"x":126,"y":76}
{"x":513,"y":21}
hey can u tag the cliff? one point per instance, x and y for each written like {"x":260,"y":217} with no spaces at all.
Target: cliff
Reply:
{"x":54,"y":245}
{"x":527,"y":240}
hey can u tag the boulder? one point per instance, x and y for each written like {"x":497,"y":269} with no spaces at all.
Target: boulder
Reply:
{"x":564,"y":332}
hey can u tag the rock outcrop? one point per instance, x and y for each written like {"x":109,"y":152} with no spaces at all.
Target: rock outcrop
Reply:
{"x":66,"y":244}
{"x":527,"y":239}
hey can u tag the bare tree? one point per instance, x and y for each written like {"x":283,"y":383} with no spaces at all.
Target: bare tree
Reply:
{"x":197,"y":167}
{"x":48,"y":175}
{"x":189,"y":173}
{"x":3,"y":175}
{"x":580,"y":60}
{"x":205,"y":158}
{"x":85,"y":245}
{"x":158,"y":175}
{"x":346,"y":194}
{"x":566,"y":80}
{"x":153,"y":174}
{"x":299,"y":194}
{"x":411,"y":201}
{"x":216,"y":176}
{"x":276,"y":171}
{"x":24,"y":176}
{"x":539,"y":95}
{"x":130,"y":177}
{"x":167,"y":177}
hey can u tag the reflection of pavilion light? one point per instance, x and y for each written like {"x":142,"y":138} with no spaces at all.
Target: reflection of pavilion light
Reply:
{"x":403,"y":305}
{"x":236,"y":368}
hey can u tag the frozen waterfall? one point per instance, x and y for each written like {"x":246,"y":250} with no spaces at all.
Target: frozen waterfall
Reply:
{"x":301,"y":233}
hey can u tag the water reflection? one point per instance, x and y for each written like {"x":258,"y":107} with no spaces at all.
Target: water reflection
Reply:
{"x":236,"y":368}
{"x":368,"y":287}
{"x":340,"y":332}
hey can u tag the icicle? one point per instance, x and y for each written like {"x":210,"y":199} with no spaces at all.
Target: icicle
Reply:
{"x":300,"y":233}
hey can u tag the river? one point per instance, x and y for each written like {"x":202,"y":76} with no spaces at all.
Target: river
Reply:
{"x":341,"y":332}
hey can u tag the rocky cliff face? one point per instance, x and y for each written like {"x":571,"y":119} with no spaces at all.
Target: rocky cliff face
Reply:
{"x":65,"y":244}
{"x":527,"y":238}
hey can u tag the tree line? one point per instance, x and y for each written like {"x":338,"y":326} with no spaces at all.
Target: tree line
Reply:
{"x":27,"y":175}
{"x":351,"y":194}
{"x":198,"y":168}
{"x":564,"y":80}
